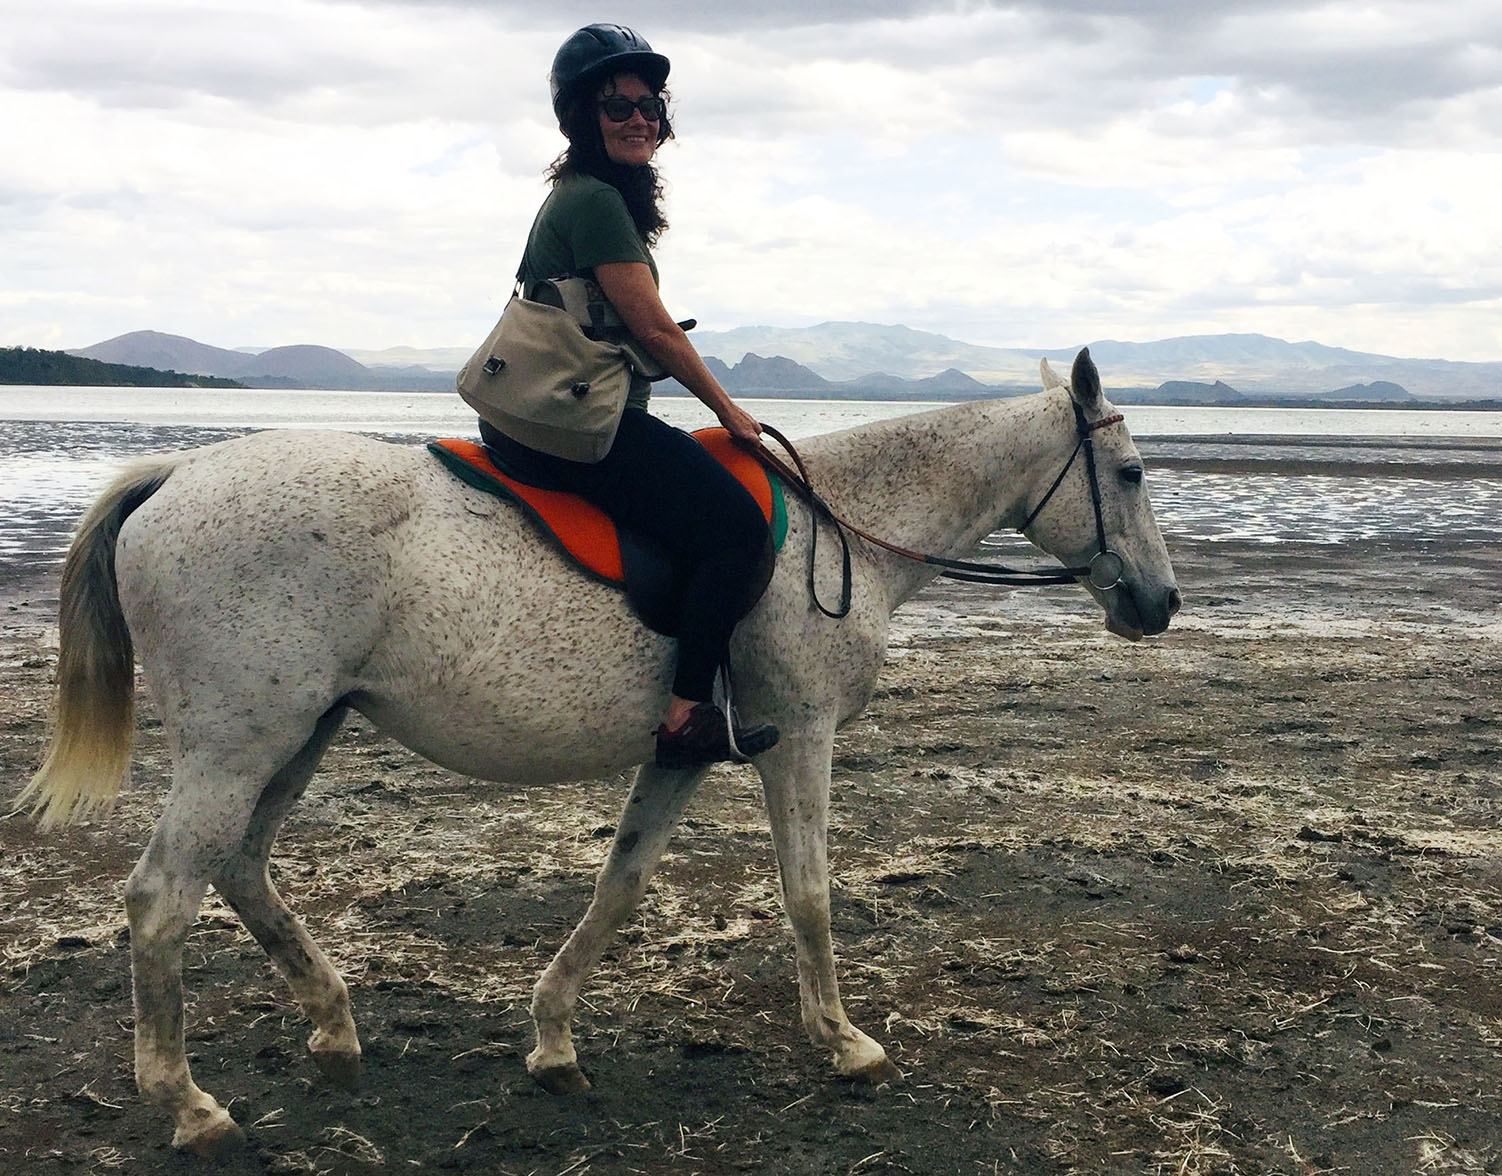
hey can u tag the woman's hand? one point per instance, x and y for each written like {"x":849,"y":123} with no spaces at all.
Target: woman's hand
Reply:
{"x":740,"y":423}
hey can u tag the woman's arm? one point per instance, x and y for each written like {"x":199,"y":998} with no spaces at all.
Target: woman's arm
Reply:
{"x":629,"y":286}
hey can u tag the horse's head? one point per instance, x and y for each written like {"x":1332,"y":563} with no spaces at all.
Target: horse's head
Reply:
{"x":1101,"y":505}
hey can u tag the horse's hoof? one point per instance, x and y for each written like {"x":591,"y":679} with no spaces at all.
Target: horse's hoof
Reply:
{"x":565,"y":1079}
{"x":879,"y":1073}
{"x":341,"y":1068}
{"x":216,"y":1137}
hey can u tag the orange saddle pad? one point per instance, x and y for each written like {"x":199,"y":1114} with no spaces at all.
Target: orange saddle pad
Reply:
{"x":582,"y":529}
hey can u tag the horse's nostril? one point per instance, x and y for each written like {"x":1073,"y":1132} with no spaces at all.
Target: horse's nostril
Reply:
{"x":1174,"y":601}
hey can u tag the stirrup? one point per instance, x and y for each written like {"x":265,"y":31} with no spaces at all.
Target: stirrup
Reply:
{"x":707,"y":737}
{"x":723,"y":694}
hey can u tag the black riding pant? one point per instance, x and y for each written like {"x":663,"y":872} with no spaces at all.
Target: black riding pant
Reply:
{"x":661,"y":483}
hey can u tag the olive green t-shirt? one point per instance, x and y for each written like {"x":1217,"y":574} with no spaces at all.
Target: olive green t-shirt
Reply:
{"x":584,"y":223}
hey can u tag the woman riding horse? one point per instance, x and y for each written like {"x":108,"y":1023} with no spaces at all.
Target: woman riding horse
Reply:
{"x":599,"y":222}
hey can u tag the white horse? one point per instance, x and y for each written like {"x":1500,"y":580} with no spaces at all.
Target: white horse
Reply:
{"x":273,"y":582}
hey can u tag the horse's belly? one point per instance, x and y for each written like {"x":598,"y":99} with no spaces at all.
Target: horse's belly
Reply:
{"x":521,"y":669}
{"x":521,"y":734}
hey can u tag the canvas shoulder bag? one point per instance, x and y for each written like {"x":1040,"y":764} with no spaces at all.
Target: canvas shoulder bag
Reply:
{"x":540,"y":379}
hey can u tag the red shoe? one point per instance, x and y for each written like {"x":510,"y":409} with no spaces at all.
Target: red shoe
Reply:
{"x":705,"y":738}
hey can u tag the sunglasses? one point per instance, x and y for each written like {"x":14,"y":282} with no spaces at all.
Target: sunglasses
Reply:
{"x":618,"y":108}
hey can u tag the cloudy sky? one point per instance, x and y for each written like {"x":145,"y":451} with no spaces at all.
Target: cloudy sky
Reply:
{"x":362,"y":174}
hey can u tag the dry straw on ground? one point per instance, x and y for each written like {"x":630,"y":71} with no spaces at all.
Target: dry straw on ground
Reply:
{"x":1230,"y":902}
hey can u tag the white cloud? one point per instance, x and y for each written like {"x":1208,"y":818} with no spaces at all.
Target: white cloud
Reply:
{"x":363,"y":174}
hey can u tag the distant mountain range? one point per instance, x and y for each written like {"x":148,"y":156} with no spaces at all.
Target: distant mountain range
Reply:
{"x":302,"y":366}
{"x":1259,"y":366}
{"x":868,"y":361}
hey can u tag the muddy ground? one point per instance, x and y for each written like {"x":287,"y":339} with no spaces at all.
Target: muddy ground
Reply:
{"x":1229,"y":901}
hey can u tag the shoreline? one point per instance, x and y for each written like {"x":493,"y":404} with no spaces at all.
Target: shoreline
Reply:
{"x":36,"y":531}
{"x":1119,"y":395}
{"x":28,"y":574}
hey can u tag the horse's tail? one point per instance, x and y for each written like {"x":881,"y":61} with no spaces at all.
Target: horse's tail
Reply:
{"x":89,"y":755}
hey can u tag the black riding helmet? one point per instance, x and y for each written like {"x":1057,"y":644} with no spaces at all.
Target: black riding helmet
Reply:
{"x":600,"y":49}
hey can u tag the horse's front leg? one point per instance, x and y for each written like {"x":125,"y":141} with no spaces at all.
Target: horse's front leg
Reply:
{"x":795,"y":776}
{"x":652,"y":810}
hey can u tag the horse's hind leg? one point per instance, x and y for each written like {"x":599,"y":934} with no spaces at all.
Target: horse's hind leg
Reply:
{"x":246,"y":885}
{"x":204,"y":833}
{"x":795,"y":777}
{"x":652,"y":810}
{"x":201,"y":826}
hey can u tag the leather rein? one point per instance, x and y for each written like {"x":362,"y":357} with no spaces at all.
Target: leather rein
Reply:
{"x":1103,"y":571}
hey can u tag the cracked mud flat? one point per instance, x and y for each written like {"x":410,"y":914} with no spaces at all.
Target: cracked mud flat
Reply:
{"x":1229,"y":901}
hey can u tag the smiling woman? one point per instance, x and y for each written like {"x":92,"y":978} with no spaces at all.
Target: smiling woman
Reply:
{"x":598,"y":224}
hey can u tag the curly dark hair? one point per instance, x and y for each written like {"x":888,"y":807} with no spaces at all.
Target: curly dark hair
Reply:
{"x":585,"y":155}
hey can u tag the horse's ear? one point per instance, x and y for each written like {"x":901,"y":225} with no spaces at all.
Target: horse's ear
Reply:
{"x":1084,"y":380}
{"x":1050,"y":377}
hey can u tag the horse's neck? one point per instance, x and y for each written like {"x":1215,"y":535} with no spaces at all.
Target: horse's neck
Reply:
{"x":937,"y":482}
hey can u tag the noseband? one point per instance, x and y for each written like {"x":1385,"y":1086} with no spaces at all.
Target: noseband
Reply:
{"x":1103,"y":572}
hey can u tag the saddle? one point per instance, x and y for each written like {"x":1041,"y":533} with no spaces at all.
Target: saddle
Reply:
{"x":653,"y":583}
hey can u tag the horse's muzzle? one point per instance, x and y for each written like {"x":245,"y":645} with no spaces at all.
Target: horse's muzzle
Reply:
{"x":1155,"y":618}
{"x":1135,"y":614}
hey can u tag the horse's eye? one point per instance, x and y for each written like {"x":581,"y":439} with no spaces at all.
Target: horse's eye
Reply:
{"x":1132,"y":474}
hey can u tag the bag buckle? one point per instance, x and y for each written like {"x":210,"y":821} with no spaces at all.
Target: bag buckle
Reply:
{"x":494,"y":364}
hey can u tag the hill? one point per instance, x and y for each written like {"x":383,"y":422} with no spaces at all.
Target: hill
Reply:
{"x":447,"y":360}
{"x":27,"y":365}
{"x":1376,"y":390}
{"x":316,"y":367}
{"x":1190,"y":392}
{"x":155,"y":349}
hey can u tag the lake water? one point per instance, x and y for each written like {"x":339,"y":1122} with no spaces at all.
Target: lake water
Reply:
{"x":438,"y":414}
{"x":1265,"y":475}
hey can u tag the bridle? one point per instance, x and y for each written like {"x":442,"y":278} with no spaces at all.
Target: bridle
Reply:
{"x":1106,"y":567}
{"x":1103,"y":572}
